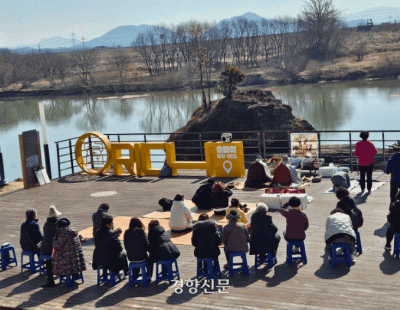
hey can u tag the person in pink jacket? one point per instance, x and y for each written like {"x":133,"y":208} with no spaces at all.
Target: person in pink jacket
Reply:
{"x":365,"y":151}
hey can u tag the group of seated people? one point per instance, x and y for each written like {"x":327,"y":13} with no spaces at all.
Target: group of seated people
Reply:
{"x":59,"y":242}
{"x":259,"y":175}
{"x":261,"y":236}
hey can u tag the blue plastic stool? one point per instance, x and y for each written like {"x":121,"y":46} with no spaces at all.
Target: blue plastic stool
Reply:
{"x":269,"y":258}
{"x":358,"y":243}
{"x":6,"y":258}
{"x":396,"y":244}
{"x":69,"y":279}
{"x":296,"y":256}
{"x":144,"y":273}
{"x":42,"y":268}
{"x":344,"y":258}
{"x":107,"y":276}
{"x":171,"y":274}
{"x":32,"y":264}
{"x":243,"y":265}
{"x":208,"y":267}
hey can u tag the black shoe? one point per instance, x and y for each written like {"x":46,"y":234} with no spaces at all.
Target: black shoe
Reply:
{"x":49,"y":284}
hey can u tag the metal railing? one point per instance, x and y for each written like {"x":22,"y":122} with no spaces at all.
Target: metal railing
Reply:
{"x":265,"y":143}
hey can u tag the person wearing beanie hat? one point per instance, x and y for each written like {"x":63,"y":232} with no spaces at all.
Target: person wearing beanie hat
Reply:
{"x":31,"y":236}
{"x":264,"y":235}
{"x":203,"y":198}
{"x":53,"y":212}
{"x":49,"y":231}
{"x":234,"y":236}
{"x":68,"y":257}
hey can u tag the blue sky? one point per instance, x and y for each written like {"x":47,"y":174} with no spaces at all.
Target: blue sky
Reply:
{"x":29,"y":21}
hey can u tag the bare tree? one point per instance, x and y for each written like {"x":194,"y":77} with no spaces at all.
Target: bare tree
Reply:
{"x":142,"y":44}
{"x":26,"y":69}
{"x":84,"y":62}
{"x":54,"y":67}
{"x":120,"y":60}
{"x":321,"y":21}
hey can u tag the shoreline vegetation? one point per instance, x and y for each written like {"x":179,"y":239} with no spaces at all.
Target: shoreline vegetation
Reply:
{"x":373,"y":55}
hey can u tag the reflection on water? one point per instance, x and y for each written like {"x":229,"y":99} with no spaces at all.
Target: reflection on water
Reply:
{"x":338,"y":106}
{"x":325,"y":109}
{"x":71,"y":117}
{"x":344,"y":106}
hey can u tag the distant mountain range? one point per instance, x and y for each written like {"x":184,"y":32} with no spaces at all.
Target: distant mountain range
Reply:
{"x":123,"y":36}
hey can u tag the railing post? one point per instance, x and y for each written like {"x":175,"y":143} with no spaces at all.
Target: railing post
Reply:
{"x":145,"y":139}
{"x":70,"y":155}
{"x":259,"y":143}
{"x":58,"y":160}
{"x":319,"y":144}
{"x":119,"y":139}
{"x":201,"y":149}
{"x":263,"y":138}
{"x":91,"y":151}
{"x":351,"y":153}
{"x":383,"y":147}
{"x":289,"y":143}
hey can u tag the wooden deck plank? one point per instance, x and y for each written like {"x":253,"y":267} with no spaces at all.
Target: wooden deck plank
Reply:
{"x":369,"y":284}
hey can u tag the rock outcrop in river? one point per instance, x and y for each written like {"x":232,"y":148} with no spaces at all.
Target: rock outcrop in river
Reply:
{"x":250,"y":110}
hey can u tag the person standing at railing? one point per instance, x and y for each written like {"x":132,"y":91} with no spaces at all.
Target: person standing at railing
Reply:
{"x":365,"y":151}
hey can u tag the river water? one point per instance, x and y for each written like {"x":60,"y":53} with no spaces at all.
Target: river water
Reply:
{"x":336,"y":106}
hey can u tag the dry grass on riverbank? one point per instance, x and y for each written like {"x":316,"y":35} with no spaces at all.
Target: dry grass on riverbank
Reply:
{"x":374,"y":54}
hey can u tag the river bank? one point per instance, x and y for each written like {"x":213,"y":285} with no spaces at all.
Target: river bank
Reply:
{"x":374,"y":55}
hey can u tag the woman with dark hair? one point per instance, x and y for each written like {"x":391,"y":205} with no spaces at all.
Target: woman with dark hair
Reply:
{"x":236,"y":205}
{"x":160,"y":245}
{"x":348,"y":205}
{"x":365,"y":151}
{"x":135,"y":241}
{"x":181,"y":218}
{"x":108,"y":249}
{"x":221,"y":196}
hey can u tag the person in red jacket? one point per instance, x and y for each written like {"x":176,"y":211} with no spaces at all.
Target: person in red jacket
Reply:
{"x":365,"y":151}
{"x":296,"y":221}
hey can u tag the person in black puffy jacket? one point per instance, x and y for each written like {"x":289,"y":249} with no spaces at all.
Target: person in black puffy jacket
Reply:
{"x":135,"y":241}
{"x":30,"y":233}
{"x":264,"y":235}
{"x":203,"y":198}
{"x":205,"y":238}
{"x":108,"y":249}
{"x":160,"y":246}
{"x":49,"y":231}
{"x":394,"y":221}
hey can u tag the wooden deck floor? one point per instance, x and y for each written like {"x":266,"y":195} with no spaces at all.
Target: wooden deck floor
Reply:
{"x":370,"y":284}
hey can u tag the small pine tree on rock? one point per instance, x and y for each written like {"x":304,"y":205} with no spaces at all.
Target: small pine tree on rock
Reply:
{"x":228,"y":80}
